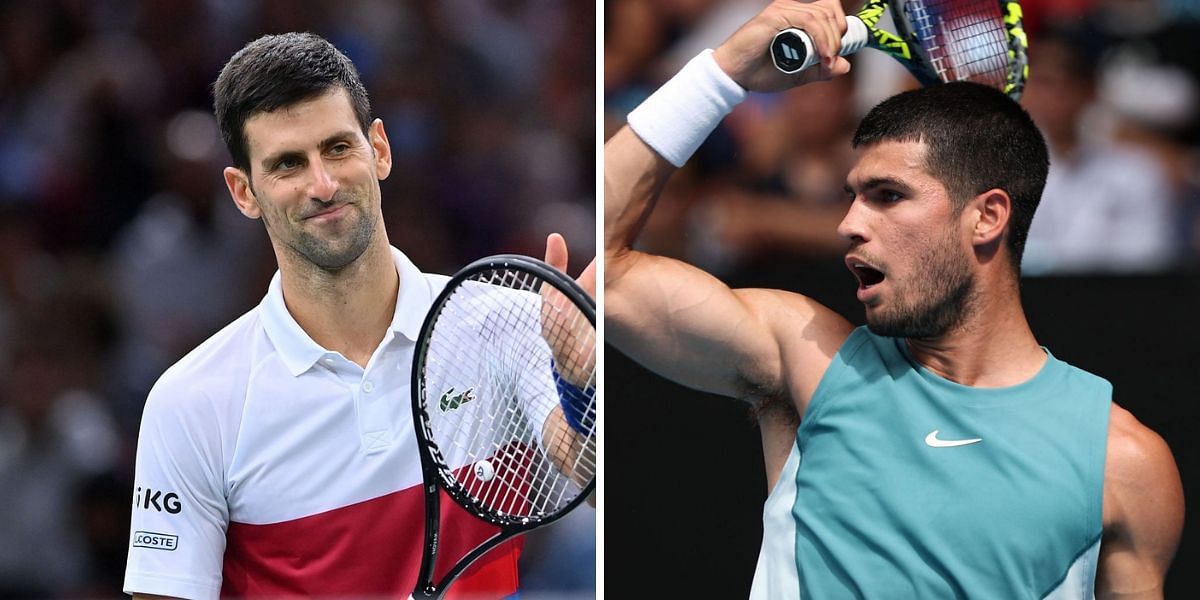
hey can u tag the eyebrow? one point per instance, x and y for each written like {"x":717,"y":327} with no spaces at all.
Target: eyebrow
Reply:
{"x":878,"y":182}
{"x":342,"y":136}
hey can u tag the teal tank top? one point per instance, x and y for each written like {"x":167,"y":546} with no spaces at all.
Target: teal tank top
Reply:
{"x":903,"y":484}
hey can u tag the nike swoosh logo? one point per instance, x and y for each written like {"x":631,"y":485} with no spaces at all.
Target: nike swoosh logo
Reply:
{"x":932,"y":440}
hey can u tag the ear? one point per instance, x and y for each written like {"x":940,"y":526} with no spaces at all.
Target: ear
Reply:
{"x":238,"y":182}
{"x":383,"y":149}
{"x":992,"y":210}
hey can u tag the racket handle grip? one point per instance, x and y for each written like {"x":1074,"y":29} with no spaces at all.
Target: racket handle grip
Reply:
{"x":792,"y":49}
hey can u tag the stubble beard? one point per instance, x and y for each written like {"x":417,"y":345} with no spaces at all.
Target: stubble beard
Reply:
{"x":944,"y":291}
{"x":333,"y":254}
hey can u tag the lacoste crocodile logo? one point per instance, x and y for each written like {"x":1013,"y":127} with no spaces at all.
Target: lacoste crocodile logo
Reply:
{"x":451,"y":401}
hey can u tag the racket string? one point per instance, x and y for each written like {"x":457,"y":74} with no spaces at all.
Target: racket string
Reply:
{"x":963,"y":40}
{"x":485,"y":424}
{"x":502,"y":497}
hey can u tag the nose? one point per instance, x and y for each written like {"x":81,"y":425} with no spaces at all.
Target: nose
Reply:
{"x":322,"y":185}
{"x":851,"y":228}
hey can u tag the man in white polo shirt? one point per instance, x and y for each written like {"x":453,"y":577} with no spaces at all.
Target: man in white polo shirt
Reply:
{"x":278,"y":457}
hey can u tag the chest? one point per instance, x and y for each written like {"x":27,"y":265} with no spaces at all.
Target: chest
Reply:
{"x":335,"y":435}
{"x":993,"y":481}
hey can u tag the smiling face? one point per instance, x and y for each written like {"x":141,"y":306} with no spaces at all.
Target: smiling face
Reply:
{"x":907,"y":244}
{"x":314,"y":180}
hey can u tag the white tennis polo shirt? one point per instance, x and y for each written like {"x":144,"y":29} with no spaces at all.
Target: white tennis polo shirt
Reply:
{"x":269,"y":466}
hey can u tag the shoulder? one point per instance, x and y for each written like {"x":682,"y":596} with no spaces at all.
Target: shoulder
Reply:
{"x":809,"y":336}
{"x":1083,"y":384}
{"x":1141,"y":482}
{"x":1134,"y":450}
{"x":1143,"y":508}
{"x":212,"y":375}
{"x":795,"y":317}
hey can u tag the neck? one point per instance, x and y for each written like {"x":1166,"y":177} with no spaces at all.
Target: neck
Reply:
{"x":347,"y":311}
{"x":992,"y":347}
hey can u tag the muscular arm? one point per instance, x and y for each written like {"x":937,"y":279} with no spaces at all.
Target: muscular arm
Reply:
{"x":684,"y":323}
{"x":1143,"y":511}
{"x":674,"y":318}
{"x":680,"y":321}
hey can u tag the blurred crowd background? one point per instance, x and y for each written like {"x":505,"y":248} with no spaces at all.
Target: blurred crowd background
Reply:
{"x":1114,"y":85}
{"x":120,"y":249}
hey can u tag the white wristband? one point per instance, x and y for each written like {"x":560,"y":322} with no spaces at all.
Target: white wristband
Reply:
{"x":676,"y":119}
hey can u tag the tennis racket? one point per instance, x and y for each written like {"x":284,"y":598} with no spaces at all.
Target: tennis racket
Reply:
{"x":503,"y":399}
{"x":937,"y":40}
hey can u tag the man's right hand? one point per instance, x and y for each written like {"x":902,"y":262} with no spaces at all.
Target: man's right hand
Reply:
{"x":744,"y":56}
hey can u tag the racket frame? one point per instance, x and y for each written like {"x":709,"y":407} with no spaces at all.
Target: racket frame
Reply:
{"x":435,"y":472}
{"x":903,"y":45}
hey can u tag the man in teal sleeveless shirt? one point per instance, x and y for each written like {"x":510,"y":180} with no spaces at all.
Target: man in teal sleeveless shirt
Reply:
{"x":941,"y":451}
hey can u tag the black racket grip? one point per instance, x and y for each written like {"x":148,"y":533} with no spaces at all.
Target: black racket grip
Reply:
{"x":792,"y":49}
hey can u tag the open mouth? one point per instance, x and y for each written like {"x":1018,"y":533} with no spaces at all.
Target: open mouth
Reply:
{"x":866,"y":274}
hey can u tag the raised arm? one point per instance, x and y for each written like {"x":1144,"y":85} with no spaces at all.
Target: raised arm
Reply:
{"x":1143,"y":511}
{"x":670,"y":316}
{"x":674,"y":318}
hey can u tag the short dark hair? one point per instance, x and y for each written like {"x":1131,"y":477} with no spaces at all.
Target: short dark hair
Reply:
{"x":977,"y":139}
{"x":276,"y":71}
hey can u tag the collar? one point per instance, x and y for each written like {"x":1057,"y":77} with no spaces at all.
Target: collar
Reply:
{"x":299,"y":352}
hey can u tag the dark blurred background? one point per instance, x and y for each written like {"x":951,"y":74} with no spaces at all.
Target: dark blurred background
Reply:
{"x":1112,"y":265}
{"x":120,"y":249}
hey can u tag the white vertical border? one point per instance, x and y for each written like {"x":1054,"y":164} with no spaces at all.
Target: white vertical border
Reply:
{"x":600,"y":418}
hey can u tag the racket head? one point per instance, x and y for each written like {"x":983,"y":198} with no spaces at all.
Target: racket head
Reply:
{"x":483,"y":392}
{"x":959,"y":40}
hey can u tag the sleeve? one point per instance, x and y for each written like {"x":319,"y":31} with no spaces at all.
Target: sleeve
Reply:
{"x":180,"y":514}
